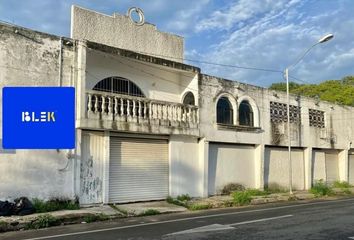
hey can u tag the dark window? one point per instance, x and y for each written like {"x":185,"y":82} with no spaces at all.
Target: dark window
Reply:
{"x":245,"y":114}
{"x":224,"y":111}
{"x":189,"y":99}
{"x":118,"y":85}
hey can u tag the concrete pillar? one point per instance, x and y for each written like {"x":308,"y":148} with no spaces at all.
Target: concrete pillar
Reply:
{"x":105,"y":175}
{"x":204,"y":165}
{"x":77,"y":164}
{"x":259,"y":166}
{"x":308,"y":167}
{"x":80,"y":85}
{"x":343,"y":167}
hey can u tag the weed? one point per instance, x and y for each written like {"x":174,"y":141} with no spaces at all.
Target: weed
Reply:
{"x":232,"y":187}
{"x":150,"y":212}
{"x":244,"y":197}
{"x":177,"y":202}
{"x":241,"y":198}
{"x":55,"y":204}
{"x":256,"y":192}
{"x":339,"y":184}
{"x":199,"y":206}
{"x":123,"y":211}
{"x":275,"y":188}
{"x":320,"y":188}
{"x":95,"y":218}
{"x":183,"y":198}
{"x":43,"y":221}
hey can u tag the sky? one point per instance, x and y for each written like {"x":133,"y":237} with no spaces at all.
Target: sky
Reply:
{"x":266,"y":34}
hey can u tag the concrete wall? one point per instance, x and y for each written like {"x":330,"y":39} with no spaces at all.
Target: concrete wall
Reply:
{"x":29,"y":58}
{"x":156,"y":82}
{"x":337,"y":134}
{"x":92,"y":167}
{"x":186,"y":168}
{"x":118,"y":31}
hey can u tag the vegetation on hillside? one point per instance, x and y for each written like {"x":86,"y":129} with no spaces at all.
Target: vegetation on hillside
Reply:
{"x":336,"y":91}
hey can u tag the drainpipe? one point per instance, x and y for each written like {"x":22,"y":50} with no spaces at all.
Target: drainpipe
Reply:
{"x":60,"y":61}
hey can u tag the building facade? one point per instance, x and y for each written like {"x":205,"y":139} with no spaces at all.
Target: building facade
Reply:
{"x":149,"y":126}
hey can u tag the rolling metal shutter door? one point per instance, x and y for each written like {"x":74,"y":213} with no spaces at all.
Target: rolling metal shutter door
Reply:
{"x":332,"y":171}
{"x":138,"y":169}
{"x":351,"y":169}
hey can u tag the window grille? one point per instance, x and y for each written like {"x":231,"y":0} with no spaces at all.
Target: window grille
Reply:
{"x":317,"y":118}
{"x":278,"y":113}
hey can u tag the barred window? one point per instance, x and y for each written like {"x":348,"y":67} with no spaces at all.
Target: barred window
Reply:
{"x":119,"y":85}
{"x":317,"y":118}
{"x":189,"y":99}
{"x":278,"y":113}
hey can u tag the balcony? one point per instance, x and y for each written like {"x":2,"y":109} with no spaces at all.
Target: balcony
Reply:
{"x":135,"y":114}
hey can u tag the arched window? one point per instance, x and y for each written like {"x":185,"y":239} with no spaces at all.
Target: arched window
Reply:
{"x":189,"y":99}
{"x":224,"y":111}
{"x":119,"y":85}
{"x":246,"y":114}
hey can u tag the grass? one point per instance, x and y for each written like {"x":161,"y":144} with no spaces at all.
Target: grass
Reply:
{"x":320,"y":188}
{"x":95,"y":218}
{"x":199,"y":206}
{"x":43,"y":221}
{"x":55,"y":205}
{"x":123,"y":211}
{"x":241,"y":198}
{"x":184,"y":198}
{"x":150,"y":212}
{"x":232,"y":187}
{"x":343,"y":184}
{"x":176,"y":201}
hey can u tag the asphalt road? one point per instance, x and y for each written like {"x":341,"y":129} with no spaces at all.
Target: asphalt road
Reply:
{"x":308,"y":220}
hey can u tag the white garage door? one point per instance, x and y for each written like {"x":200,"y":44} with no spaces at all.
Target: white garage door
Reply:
{"x":332,"y":171}
{"x":351,"y":169}
{"x":230,"y":163}
{"x":138,"y":169}
{"x":276,"y":168}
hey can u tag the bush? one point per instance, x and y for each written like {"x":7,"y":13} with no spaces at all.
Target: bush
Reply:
{"x":232,"y":187}
{"x":43,"y":221}
{"x":320,"y":188}
{"x":339,"y":184}
{"x":55,"y":205}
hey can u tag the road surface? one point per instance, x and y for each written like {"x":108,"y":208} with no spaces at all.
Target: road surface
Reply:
{"x":307,"y":220}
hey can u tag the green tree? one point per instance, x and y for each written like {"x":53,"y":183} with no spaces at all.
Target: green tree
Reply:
{"x":336,"y":91}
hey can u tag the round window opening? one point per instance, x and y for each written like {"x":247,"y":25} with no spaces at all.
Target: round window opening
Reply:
{"x":136,"y":15}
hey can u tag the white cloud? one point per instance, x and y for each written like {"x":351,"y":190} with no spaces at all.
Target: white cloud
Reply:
{"x":273,"y":36}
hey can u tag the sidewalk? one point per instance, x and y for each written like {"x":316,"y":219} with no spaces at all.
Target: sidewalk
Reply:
{"x":86,"y":215}
{"x":108,"y":212}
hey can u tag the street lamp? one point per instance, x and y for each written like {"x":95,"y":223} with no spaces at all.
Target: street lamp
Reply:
{"x":286,"y":72}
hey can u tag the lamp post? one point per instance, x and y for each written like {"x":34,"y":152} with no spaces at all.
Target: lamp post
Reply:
{"x":286,"y":73}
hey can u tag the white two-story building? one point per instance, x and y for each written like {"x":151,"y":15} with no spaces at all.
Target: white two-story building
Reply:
{"x":149,"y":126}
